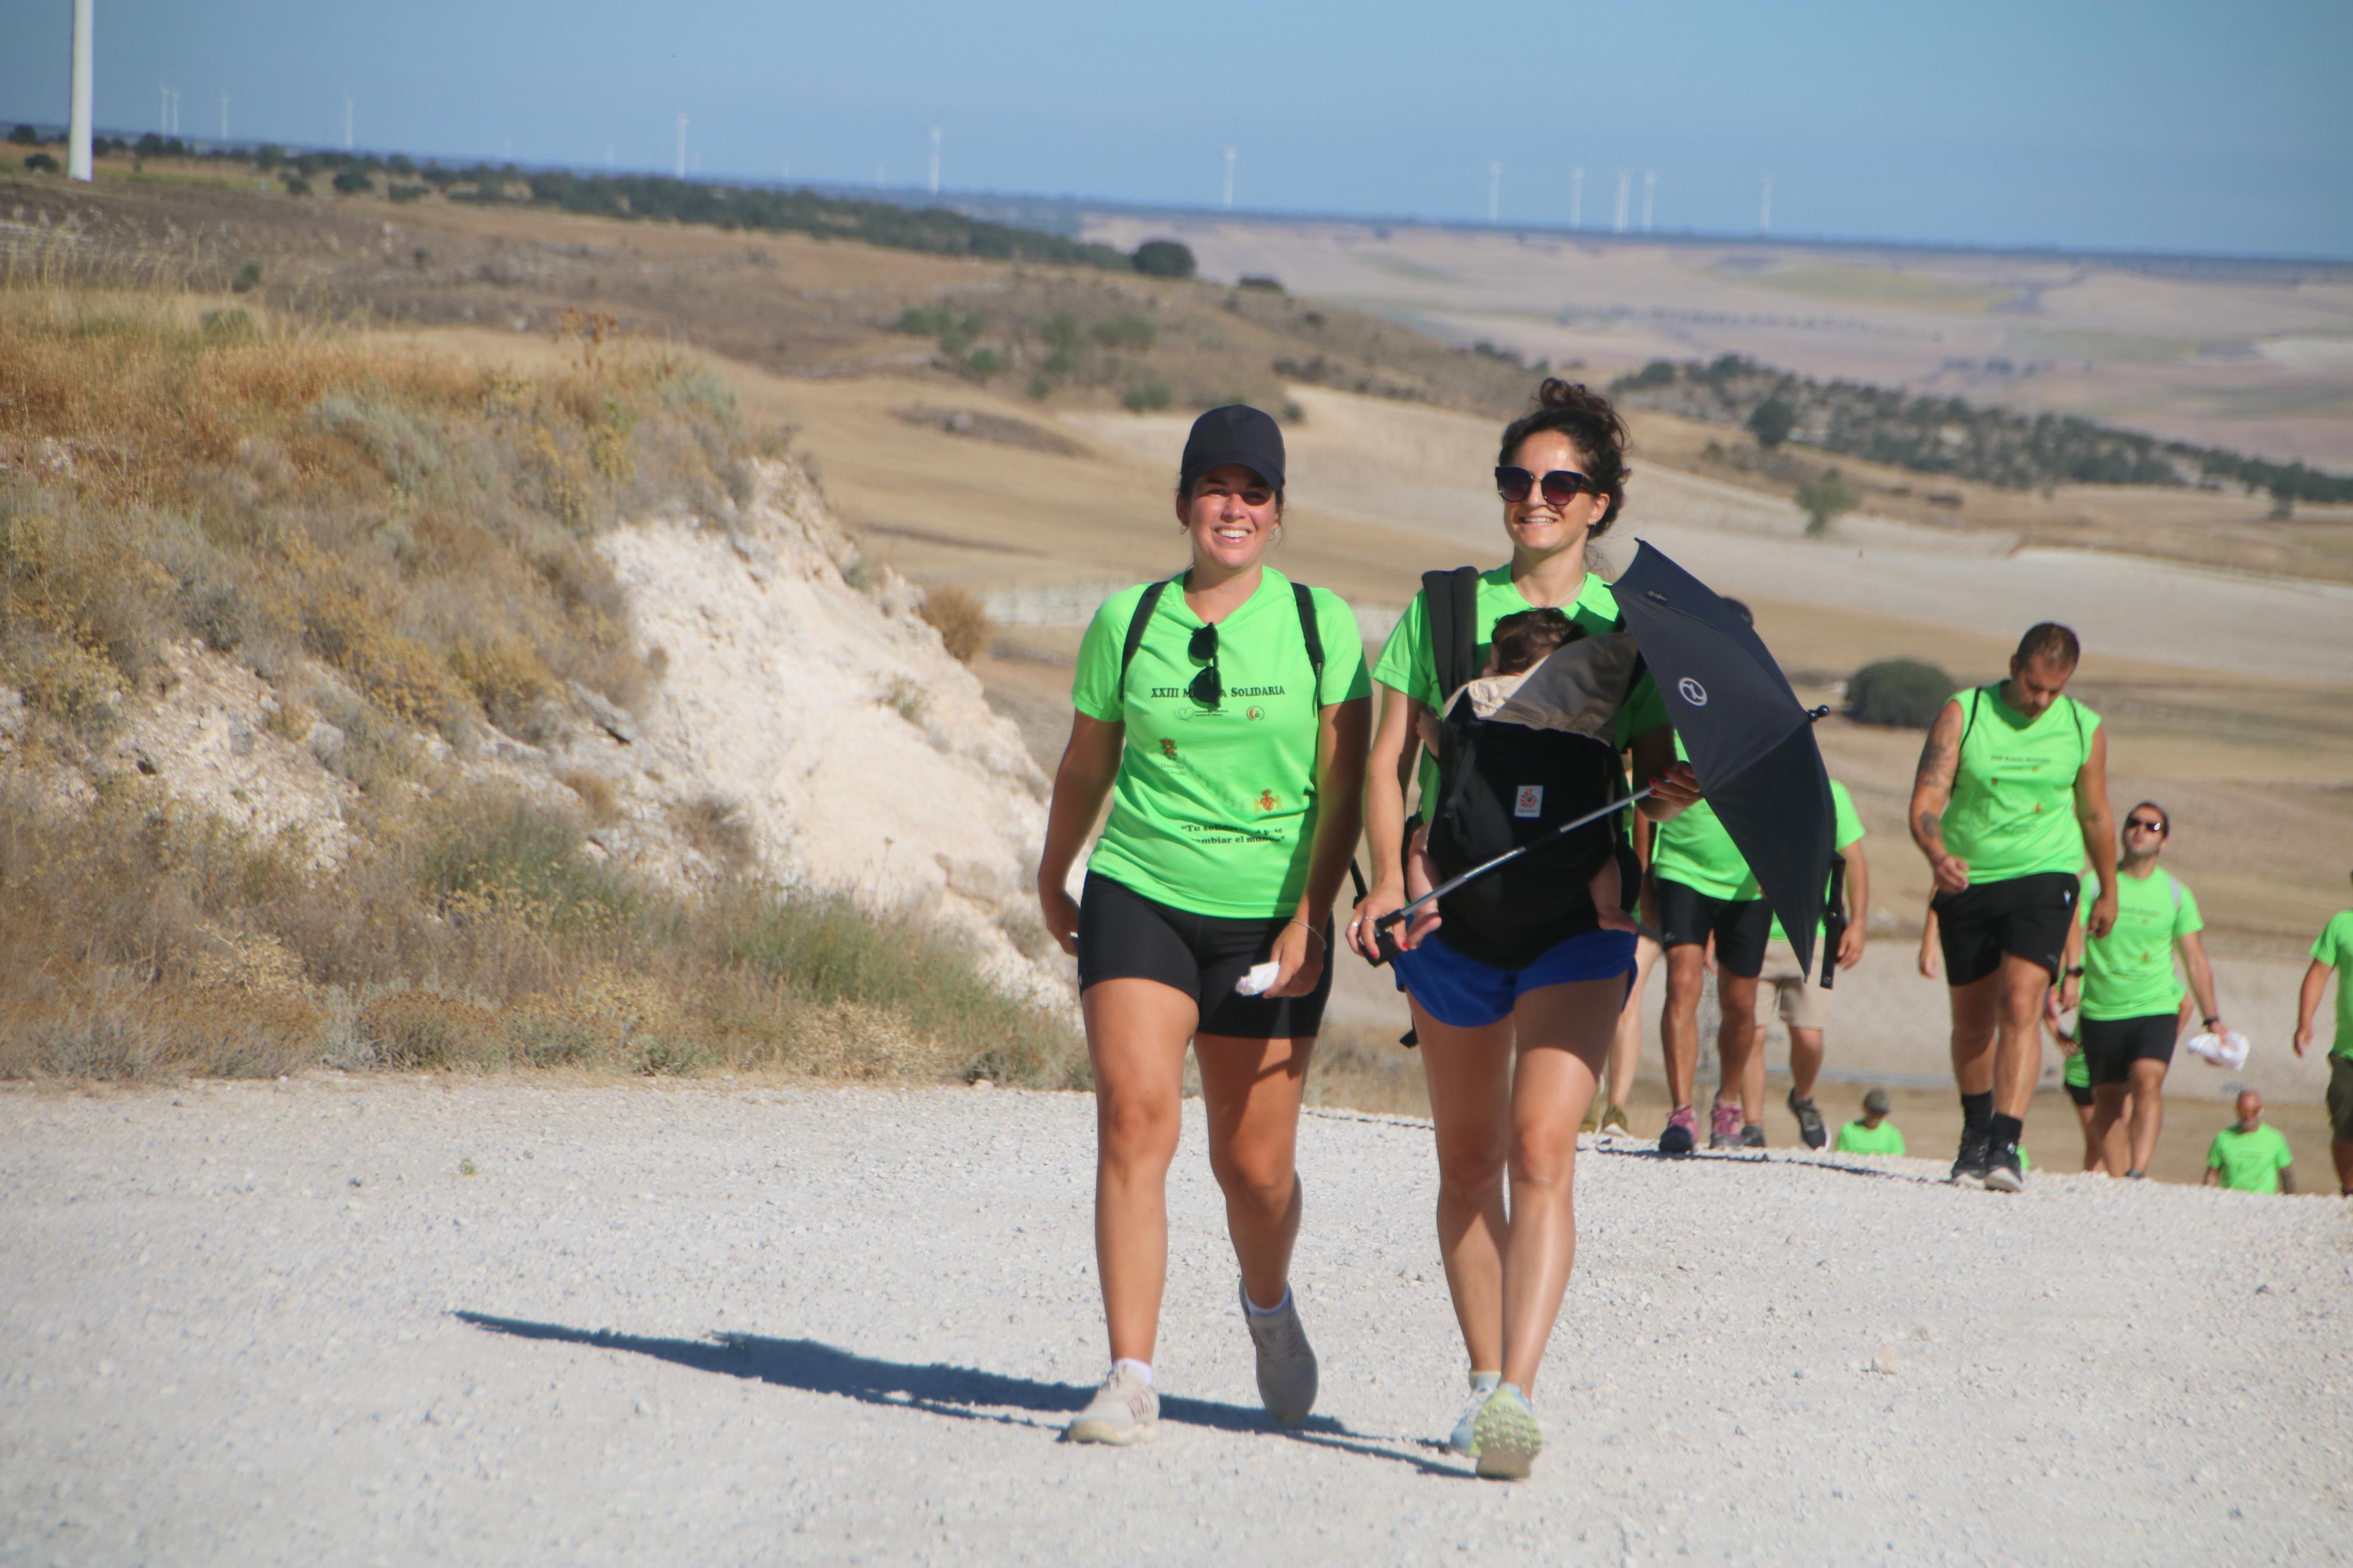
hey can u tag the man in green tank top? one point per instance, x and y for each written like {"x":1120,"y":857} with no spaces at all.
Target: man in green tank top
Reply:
{"x":2012,"y":792}
{"x":2332,"y":953}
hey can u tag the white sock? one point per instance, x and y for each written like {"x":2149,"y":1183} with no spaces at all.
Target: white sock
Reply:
{"x":1259,"y":1311}
{"x":1142,"y":1369}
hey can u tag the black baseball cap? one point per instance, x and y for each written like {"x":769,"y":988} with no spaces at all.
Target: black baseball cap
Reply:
{"x":1234,"y":434}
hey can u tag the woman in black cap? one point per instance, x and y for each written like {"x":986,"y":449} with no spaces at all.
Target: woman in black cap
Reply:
{"x":1224,"y":712}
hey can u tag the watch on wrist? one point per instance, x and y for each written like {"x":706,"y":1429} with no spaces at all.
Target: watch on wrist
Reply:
{"x":2074,"y":971}
{"x":2211,"y":1021}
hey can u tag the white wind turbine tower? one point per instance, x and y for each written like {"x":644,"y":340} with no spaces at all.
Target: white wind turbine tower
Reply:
{"x":176,"y":111}
{"x":1649,"y":189}
{"x":77,"y":121}
{"x":1230,"y":180}
{"x":681,"y":143}
{"x":1577,"y":197}
{"x":1765,"y":207}
{"x":936,"y":160}
{"x":1620,"y":222}
{"x":1495,"y":191}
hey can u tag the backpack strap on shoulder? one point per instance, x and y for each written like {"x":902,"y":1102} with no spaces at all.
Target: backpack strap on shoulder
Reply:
{"x":1969,"y":718}
{"x":1451,"y":601}
{"x":1312,"y":635}
{"x":1137,"y":622}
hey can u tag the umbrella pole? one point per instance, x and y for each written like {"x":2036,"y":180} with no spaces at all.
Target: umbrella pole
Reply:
{"x":1382,"y":926}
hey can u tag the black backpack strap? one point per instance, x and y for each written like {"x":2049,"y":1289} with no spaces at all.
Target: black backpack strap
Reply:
{"x":1312,"y":635}
{"x":1451,"y":599}
{"x":1968,"y":721}
{"x":1137,"y":622}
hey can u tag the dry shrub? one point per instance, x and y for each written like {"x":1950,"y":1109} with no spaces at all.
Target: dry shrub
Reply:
{"x":508,"y":677}
{"x":416,"y":1028}
{"x":716,"y":827}
{"x":598,"y":796}
{"x":964,"y":626}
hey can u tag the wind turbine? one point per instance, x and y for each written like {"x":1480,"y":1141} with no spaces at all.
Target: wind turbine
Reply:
{"x":1495,"y":191}
{"x":1577,"y":197}
{"x":1765,"y":207}
{"x":1230,"y":179}
{"x":1620,"y":222}
{"x":1649,"y":189}
{"x":681,"y":143}
{"x":78,"y":133}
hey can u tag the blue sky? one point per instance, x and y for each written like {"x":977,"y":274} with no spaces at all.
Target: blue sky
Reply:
{"x":2156,"y":125}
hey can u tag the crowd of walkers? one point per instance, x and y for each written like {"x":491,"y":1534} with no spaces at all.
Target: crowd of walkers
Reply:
{"x":1224,"y":717}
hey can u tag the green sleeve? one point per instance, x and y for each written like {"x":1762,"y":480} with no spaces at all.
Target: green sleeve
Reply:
{"x":1095,"y":684}
{"x":2214,"y":1153}
{"x":2186,"y":919}
{"x":1344,"y":680}
{"x":1899,"y":1141}
{"x":2287,"y":1154}
{"x":2329,"y":947}
{"x":1849,"y":828}
{"x":1404,"y":664}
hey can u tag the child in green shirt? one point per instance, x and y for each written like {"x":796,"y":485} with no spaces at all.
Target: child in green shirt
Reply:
{"x":1873,"y":1134}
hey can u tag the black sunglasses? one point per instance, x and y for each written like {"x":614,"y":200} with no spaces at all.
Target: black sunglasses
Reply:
{"x":1206,"y":689}
{"x":1561,"y":486}
{"x":2144,"y":824}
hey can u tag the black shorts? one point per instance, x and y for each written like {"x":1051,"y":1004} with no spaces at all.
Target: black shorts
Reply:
{"x":2028,"y":916}
{"x":2081,"y":1093}
{"x":1741,"y":927}
{"x":1123,"y":935}
{"x":2111,"y":1046}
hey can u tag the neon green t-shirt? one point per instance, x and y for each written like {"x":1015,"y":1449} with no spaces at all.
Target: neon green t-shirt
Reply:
{"x":1846,"y":831}
{"x":1408,"y":664}
{"x":1854,"y":1138}
{"x":1695,"y":849}
{"x":1214,"y":810}
{"x":2128,"y":974}
{"x":2250,"y":1161}
{"x":2012,"y":812}
{"x":2335,"y":947}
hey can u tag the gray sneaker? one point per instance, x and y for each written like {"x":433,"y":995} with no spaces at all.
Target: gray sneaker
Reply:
{"x":1286,"y":1366}
{"x":1810,"y":1120}
{"x":1507,"y":1435}
{"x":1125,"y":1410}
{"x":1462,"y":1440}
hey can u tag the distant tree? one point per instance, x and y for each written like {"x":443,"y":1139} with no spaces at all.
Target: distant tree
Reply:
{"x":41,"y":163}
{"x":1164,"y":259}
{"x":1132,"y":333}
{"x":1771,"y":421}
{"x":1902,"y":691}
{"x":266,"y":158}
{"x":351,"y":182}
{"x":1824,"y":499}
{"x":296,"y":185}
{"x":1260,"y":282}
{"x":1146,"y":396}
{"x":25,"y":136}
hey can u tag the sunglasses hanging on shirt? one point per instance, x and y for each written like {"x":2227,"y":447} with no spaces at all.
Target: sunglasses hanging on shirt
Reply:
{"x":1208,"y":690}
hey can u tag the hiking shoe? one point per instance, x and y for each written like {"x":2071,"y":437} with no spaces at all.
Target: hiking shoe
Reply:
{"x":1286,"y":1367}
{"x":2003,"y":1171}
{"x":1682,"y":1132}
{"x":1752,"y":1135}
{"x":1976,"y":1147}
{"x":1810,"y":1120}
{"x":1506,"y":1435}
{"x":1125,"y":1410}
{"x":1724,"y":1124}
{"x":1463,"y":1439}
{"x":1592,"y":1122}
{"x":1613,"y":1124}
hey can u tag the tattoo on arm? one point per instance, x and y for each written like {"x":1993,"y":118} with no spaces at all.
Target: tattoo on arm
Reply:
{"x":1935,"y":769}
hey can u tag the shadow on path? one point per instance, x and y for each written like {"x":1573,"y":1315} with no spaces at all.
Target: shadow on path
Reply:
{"x":961,"y":1392}
{"x":1809,"y":1161}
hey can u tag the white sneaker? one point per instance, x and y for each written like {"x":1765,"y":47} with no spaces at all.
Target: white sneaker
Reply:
{"x":1286,"y":1366}
{"x":1125,"y":1410}
{"x":1461,"y":1439}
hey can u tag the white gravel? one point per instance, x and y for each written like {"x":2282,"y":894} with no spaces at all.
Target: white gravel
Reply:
{"x":257,"y":1323}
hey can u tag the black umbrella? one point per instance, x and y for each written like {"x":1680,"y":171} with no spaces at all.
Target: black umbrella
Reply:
{"x":1751,"y":742}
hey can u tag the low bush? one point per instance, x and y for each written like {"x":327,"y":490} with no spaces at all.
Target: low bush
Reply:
{"x":1905,"y":692}
{"x":964,"y":625}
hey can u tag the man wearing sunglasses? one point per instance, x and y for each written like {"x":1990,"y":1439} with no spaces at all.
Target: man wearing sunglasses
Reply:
{"x":2012,"y":789}
{"x":2333,"y":953}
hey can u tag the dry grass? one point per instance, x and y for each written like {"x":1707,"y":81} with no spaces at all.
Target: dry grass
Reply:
{"x":964,"y":626}
{"x":395,"y":541}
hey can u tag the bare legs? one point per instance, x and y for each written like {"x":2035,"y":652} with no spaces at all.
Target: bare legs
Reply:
{"x":2128,"y":1116}
{"x":1626,"y":1045}
{"x":1998,"y":1034}
{"x":1137,"y":1035}
{"x":1507,"y":1098}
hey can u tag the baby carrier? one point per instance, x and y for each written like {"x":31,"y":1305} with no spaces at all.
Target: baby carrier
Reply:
{"x":1518,"y":757}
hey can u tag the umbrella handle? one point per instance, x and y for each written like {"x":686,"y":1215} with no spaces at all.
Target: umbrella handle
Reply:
{"x":1382,"y":925}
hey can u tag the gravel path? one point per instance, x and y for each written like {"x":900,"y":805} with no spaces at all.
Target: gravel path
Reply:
{"x":257,"y":1323}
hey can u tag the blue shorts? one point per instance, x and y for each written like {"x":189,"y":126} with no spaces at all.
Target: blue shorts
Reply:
{"x":1468,"y":995}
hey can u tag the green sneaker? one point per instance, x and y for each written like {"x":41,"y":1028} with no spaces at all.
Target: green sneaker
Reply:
{"x":1123,"y":1411}
{"x":1461,"y":1440}
{"x":1506,"y":1435}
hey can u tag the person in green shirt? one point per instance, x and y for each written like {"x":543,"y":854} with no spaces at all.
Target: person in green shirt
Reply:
{"x":1223,"y":712}
{"x":1873,"y":1134}
{"x":2333,"y":951}
{"x":2131,"y":1000}
{"x":2012,"y":789}
{"x":1802,"y":999}
{"x":1512,"y":1051}
{"x":2249,"y":1156}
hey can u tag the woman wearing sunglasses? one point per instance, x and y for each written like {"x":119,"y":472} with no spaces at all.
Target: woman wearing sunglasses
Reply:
{"x":1223,"y":711}
{"x":2131,"y":999}
{"x":1511,"y":1051}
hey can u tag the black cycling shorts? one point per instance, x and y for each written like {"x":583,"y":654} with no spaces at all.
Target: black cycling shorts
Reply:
{"x":2111,"y":1046}
{"x":1123,"y":935}
{"x":2028,"y":916}
{"x":1741,"y":927}
{"x":2081,"y":1093}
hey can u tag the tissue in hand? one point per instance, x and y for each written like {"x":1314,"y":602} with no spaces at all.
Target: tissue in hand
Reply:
{"x":1261,"y":976}
{"x":2228,"y":1049}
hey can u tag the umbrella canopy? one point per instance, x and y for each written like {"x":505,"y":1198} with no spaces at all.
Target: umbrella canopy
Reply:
{"x":1751,"y":742}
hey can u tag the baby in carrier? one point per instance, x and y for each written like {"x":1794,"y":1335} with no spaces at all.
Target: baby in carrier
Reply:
{"x":1519,"y":644}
